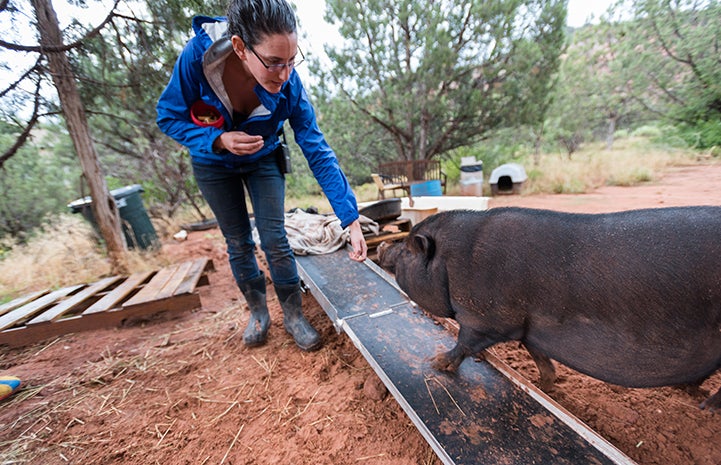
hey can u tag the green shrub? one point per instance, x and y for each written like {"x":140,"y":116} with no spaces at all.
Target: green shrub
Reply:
{"x":652,"y":132}
{"x":710,"y":133}
{"x":33,"y":185}
{"x":703,"y":135}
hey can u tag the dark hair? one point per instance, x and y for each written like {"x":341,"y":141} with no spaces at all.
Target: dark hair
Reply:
{"x":252,"y":20}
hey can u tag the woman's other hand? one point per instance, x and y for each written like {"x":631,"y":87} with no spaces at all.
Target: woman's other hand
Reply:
{"x":238,"y":142}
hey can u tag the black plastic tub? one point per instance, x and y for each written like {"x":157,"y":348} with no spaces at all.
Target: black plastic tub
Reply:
{"x":383,"y":210}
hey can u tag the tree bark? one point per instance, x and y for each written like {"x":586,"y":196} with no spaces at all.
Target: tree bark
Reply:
{"x":104,"y":207}
{"x":611,"y":131}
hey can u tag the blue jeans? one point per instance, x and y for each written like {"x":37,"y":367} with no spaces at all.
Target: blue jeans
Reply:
{"x":223,"y":190}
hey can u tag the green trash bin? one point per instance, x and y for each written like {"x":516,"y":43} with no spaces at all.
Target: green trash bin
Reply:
{"x":137,"y":228}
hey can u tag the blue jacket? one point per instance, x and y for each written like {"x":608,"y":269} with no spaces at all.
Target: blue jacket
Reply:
{"x":198,"y":76}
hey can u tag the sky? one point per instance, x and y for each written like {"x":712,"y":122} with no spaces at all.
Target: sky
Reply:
{"x":310,"y":15}
{"x":580,"y":10}
{"x":311,"y":23}
{"x":318,"y":32}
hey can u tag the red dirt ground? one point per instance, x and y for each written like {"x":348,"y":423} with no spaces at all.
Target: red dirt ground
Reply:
{"x":186,"y":390}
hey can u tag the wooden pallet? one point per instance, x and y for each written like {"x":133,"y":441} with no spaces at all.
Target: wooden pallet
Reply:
{"x":109,"y":302}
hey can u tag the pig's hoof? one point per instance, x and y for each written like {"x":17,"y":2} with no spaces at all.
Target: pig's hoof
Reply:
{"x":713,"y":403}
{"x":547,"y":383}
{"x":547,"y":387}
{"x":442,"y":362}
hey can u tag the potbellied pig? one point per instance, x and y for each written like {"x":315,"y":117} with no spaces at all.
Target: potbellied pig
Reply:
{"x":632,"y":298}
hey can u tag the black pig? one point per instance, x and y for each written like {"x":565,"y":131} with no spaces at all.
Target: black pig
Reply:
{"x":631,"y":298}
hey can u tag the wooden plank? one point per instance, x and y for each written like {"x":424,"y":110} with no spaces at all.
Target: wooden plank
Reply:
{"x":174,"y":281}
{"x":66,"y":305}
{"x":171,"y":304}
{"x":192,"y":278}
{"x":403,"y":224}
{"x":20,"y":301}
{"x":28,"y":310}
{"x":156,"y":284}
{"x":112,"y":299}
{"x":373,"y":241}
{"x":176,"y":304}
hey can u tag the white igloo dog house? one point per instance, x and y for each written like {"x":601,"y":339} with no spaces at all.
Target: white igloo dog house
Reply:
{"x":507,"y":179}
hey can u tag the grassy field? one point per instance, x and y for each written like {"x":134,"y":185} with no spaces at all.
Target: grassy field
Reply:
{"x":631,"y":161}
{"x":67,"y":252}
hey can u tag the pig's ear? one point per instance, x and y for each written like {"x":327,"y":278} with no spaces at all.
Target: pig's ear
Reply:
{"x":425,"y":245}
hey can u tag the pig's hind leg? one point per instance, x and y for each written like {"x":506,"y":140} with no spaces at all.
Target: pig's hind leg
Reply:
{"x":546,"y":370}
{"x":470,"y":343}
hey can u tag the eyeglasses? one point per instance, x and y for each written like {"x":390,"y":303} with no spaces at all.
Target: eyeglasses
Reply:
{"x":277,"y":67}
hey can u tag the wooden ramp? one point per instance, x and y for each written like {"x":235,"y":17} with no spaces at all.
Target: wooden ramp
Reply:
{"x":109,"y":302}
{"x":485,"y":414}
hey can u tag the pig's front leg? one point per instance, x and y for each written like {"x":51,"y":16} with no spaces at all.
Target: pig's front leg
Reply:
{"x":470,"y":343}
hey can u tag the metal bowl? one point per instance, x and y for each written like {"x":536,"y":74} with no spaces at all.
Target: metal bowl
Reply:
{"x":383,"y":210}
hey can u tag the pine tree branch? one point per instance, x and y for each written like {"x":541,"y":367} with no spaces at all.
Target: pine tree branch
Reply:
{"x":59,"y":47}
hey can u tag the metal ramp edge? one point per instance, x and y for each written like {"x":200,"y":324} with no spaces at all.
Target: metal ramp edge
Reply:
{"x":485,"y":414}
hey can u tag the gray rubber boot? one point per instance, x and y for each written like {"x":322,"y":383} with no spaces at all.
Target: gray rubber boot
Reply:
{"x":256,"y":332}
{"x":291,"y":301}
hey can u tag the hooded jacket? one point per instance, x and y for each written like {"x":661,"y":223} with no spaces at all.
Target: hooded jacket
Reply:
{"x":198,"y":76}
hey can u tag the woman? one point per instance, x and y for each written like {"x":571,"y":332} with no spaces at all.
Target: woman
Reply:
{"x":232,"y":88}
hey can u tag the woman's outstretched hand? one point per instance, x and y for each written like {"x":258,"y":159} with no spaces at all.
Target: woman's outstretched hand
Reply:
{"x":358,"y":242}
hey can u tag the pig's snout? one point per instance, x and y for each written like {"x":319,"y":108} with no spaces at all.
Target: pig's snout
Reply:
{"x":382,"y":247}
{"x":384,"y":258}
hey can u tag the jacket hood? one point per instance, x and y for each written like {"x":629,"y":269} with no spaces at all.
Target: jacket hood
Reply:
{"x":210,"y":28}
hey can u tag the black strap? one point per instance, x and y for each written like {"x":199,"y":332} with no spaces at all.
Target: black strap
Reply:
{"x":281,"y":134}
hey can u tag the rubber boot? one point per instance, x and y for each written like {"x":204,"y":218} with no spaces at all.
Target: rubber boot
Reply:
{"x":291,"y":301}
{"x":256,"y":332}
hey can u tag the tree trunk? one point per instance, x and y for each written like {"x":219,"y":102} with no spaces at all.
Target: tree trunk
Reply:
{"x":610,"y":131}
{"x":537,"y":133}
{"x":104,"y":207}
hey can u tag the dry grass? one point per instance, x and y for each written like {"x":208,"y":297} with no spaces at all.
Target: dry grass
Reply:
{"x":106,"y":385}
{"x":81,"y":398}
{"x":65,"y":253}
{"x":65,"y":249}
{"x":631,"y":161}
{"x":364,"y":193}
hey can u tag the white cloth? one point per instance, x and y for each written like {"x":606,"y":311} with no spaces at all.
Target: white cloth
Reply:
{"x":313,"y":234}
